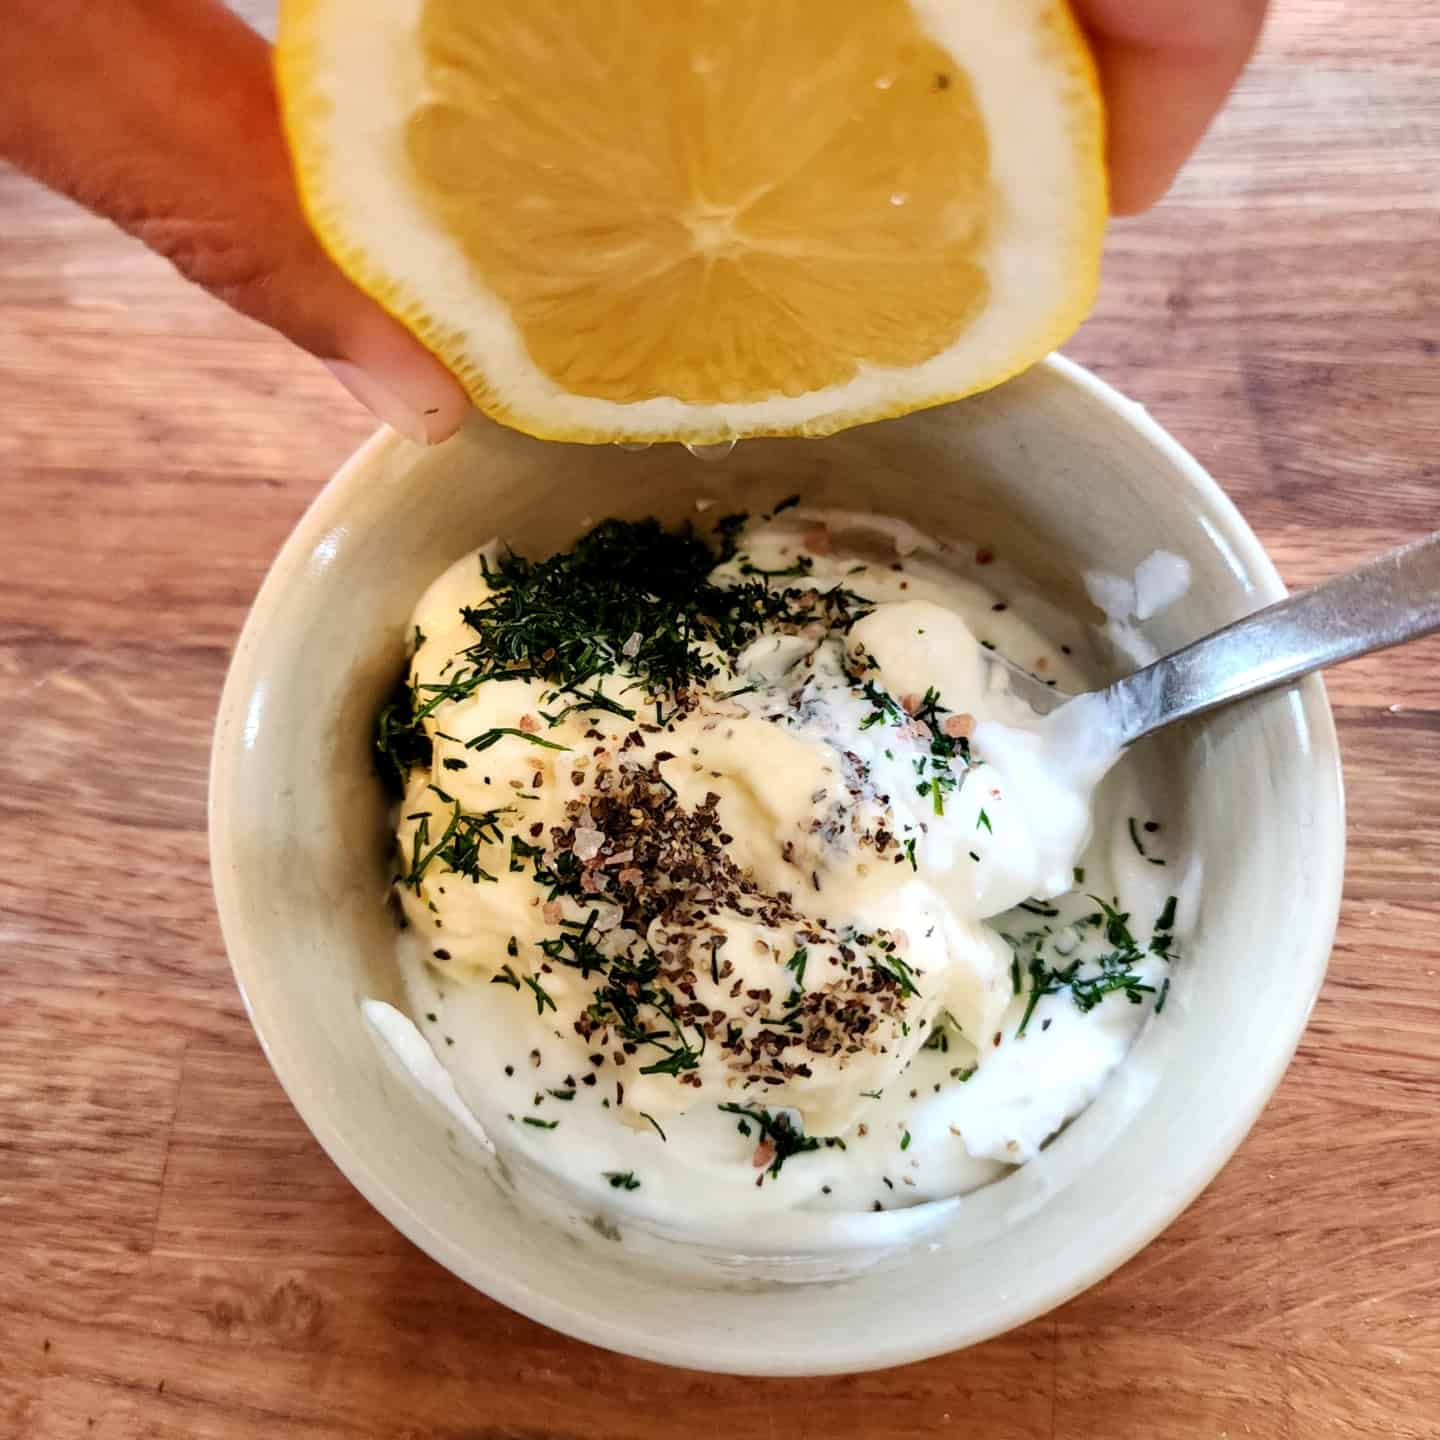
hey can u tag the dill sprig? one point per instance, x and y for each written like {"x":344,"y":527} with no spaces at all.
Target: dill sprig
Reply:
{"x":1116,"y":974}
{"x":400,"y":740}
{"x":788,"y":1138}
{"x":494,"y":736}
{"x":629,"y":595}
{"x":458,"y":846}
{"x":643,"y":1012}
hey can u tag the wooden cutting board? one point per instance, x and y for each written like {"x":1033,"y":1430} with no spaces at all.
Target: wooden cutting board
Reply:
{"x":179,"y":1261}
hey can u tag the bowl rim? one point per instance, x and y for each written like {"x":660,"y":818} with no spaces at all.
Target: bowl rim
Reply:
{"x":509,"y":1287}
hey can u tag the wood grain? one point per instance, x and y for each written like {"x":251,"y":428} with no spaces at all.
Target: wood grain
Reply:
{"x":178,"y":1260}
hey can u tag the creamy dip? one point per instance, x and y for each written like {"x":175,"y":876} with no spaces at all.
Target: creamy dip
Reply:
{"x":714,"y":903}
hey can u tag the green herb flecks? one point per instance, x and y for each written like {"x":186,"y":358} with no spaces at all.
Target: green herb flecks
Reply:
{"x":1037,"y":907}
{"x":400,"y":740}
{"x":621,"y":1179}
{"x":884,"y":708}
{"x":629,"y":595}
{"x":1151,"y":826}
{"x":458,"y":846}
{"x":796,"y":966}
{"x":888,"y":960}
{"x":574,"y":947}
{"x":801,"y":567}
{"x":542,"y":995}
{"x":783,"y":1133}
{"x":493,"y":737}
{"x":1113,"y":972}
{"x":644,"y":1012}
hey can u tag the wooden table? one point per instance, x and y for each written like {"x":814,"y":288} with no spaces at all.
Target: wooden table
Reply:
{"x":178,"y":1259}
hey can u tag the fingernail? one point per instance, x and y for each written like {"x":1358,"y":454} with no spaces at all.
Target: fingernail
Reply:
{"x":382,"y":401}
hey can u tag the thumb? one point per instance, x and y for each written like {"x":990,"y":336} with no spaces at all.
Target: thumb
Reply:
{"x":162,"y":116}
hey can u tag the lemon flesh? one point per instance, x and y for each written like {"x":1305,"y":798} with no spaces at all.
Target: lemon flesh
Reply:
{"x":699,"y":219}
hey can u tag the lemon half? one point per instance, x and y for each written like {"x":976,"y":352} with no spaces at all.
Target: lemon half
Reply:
{"x":704,"y":219}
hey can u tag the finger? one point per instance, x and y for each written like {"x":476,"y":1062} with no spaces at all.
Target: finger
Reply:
{"x":1166,"y":67}
{"x":162,"y":116}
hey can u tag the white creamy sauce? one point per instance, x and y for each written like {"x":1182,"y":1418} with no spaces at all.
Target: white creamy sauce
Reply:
{"x":1160,"y":579}
{"x":886,"y":945}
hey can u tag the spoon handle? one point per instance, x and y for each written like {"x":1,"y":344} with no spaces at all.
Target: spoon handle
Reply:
{"x":1385,"y":602}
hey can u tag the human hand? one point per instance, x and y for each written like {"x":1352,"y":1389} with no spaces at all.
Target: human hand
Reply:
{"x":162,"y":116}
{"x":1166,"y":67}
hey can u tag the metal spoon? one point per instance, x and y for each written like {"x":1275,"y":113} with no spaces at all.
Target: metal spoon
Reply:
{"x":1385,"y":602}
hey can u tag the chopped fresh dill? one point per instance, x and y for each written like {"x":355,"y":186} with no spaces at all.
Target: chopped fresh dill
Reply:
{"x":796,"y":963}
{"x":542,"y":995}
{"x":801,"y":567}
{"x":1036,"y":907}
{"x":643,"y":1012}
{"x":787,"y":1137}
{"x":493,"y":737}
{"x":400,"y":740}
{"x":628,"y":596}
{"x":897,"y":969}
{"x":621,"y":1179}
{"x":458,"y":846}
{"x":574,"y":947}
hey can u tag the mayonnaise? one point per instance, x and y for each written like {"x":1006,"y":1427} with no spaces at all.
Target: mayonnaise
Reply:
{"x":780,"y":937}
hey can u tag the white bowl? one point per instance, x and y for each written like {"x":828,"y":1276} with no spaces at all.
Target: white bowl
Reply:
{"x":1059,"y":475}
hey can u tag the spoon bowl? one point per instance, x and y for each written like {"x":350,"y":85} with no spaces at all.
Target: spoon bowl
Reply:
{"x":1387,"y":601}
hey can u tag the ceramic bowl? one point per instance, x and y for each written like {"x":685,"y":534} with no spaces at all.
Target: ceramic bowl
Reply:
{"x":1055,"y":473}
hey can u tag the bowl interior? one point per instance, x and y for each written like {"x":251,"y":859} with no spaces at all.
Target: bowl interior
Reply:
{"x":1055,"y":474}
